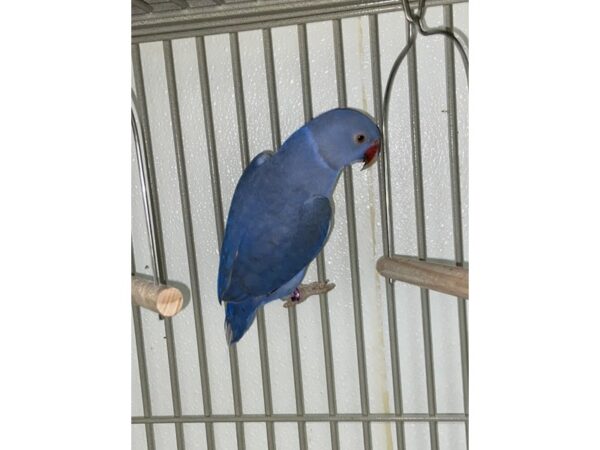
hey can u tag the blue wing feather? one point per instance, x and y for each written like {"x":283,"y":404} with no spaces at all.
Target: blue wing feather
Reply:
{"x":234,"y":228}
{"x":272,"y":252}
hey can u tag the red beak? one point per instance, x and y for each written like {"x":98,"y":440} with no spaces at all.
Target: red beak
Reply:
{"x":370,"y":155}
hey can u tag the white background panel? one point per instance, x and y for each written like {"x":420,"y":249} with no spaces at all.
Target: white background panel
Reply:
{"x":286,"y":436}
{"x":195,"y":436}
{"x":452,"y":436}
{"x":351,"y":435}
{"x":164,"y":436}
{"x":416,"y":436}
{"x":256,"y":436}
{"x":318,"y":435}
{"x":225,"y":436}
{"x":138,"y":437}
{"x":383,"y":435}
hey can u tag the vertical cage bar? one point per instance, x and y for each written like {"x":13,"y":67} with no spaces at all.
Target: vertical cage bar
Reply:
{"x":173,"y":372}
{"x":292,"y":315}
{"x":385,"y":189}
{"x":387,"y":237}
{"x":266,"y":376}
{"x":159,"y":262}
{"x":352,"y":242}
{"x":297,"y":367}
{"x":272,"y":88}
{"x":245,"y":155}
{"x":147,"y":171}
{"x":260,"y":319}
{"x":453,"y":139}
{"x":238,"y":88}
{"x":142,"y":364}
{"x":210,"y":138}
{"x":189,"y":237}
{"x":456,"y":202}
{"x":421,"y":237}
{"x":325,"y":324}
{"x":219,"y":221}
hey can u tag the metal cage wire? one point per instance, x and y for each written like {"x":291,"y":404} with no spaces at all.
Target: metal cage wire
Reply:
{"x":145,"y":159}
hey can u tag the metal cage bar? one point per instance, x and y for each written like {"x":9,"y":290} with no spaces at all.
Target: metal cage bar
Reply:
{"x":155,"y":233}
{"x":174,"y":375}
{"x":174,"y":372}
{"x":348,"y":417}
{"x":292,"y":316}
{"x":240,"y":103}
{"x":236,"y":65}
{"x":323,"y":304}
{"x":189,"y":237}
{"x":137,"y":319}
{"x":387,"y":237}
{"x":245,"y":16}
{"x":271,"y":88}
{"x":450,"y":67}
{"x":352,"y":242}
{"x":146,"y":168}
{"x":141,"y":354}
{"x":413,"y":91}
{"x":143,"y":369}
{"x":219,"y":221}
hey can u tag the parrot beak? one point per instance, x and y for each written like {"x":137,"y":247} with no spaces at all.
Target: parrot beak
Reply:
{"x":370,"y":155}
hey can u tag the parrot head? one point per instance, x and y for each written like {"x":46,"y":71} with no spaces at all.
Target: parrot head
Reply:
{"x":345,"y":136}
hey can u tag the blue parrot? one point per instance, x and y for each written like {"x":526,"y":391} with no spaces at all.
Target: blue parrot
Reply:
{"x":282,"y":211}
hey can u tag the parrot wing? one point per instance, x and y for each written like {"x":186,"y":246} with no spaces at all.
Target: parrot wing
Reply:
{"x":272,"y":252}
{"x":234,"y":229}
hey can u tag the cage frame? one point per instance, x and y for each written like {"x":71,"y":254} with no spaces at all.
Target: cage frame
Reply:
{"x":173,"y":25}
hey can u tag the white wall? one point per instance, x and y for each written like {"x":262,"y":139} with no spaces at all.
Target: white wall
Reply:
{"x":439,"y":239}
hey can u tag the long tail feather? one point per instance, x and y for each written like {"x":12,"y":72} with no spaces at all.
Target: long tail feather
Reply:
{"x":238,"y":319}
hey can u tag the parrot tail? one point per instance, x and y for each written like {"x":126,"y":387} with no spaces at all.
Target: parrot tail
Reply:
{"x":238,"y":318}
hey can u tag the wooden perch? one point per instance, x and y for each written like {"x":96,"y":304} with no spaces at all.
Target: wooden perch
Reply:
{"x":166,"y":300}
{"x":439,"y":277}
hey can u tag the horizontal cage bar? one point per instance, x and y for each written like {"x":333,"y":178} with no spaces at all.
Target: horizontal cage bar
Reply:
{"x":348,"y":417}
{"x":251,"y":16}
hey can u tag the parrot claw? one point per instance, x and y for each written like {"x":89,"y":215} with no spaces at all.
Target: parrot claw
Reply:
{"x":304,"y":291}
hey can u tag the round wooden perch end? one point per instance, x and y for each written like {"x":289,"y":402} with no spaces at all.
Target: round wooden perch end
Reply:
{"x":166,"y":300}
{"x":439,"y":277}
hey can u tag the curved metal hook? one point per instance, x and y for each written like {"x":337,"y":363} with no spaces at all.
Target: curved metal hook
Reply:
{"x":415,"y":21}
{"x":418,"y":18}
{"x":409,"y":14}
{"x":392,"y":77}
{"x":452,"y":36}
{"x":385,"y":160}
{"x":140,"y":150}
{"x":449,"y":33}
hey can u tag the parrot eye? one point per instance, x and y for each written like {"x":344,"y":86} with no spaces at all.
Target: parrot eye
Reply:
{"x":359,"y":138}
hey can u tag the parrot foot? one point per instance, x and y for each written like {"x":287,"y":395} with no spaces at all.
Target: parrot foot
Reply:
{"x":302,"y":292}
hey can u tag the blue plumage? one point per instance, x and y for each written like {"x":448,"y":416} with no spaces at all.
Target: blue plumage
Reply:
{"x":281,"y":212}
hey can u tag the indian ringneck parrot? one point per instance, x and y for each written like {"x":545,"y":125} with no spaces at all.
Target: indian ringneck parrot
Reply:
{"x":281,"y":213}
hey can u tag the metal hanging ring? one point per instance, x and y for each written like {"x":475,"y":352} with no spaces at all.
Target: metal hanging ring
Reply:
{"x":415,"y":21}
